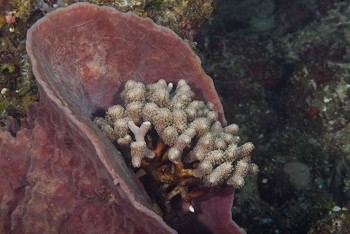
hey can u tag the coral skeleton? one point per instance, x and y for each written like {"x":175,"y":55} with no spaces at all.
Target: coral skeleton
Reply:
{"x":176,"y":140}
{"x":139,"y":149}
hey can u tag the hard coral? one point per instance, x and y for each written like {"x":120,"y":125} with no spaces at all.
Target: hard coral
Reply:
{"x":180,"y":142}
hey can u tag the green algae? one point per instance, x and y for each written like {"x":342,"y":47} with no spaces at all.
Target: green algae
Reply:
{"x":156,"y":4}
{"x":7,"y":66}
{"x":26,"y":100}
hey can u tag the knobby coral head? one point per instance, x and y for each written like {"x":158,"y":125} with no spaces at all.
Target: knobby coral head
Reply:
{"x":168,"y":122}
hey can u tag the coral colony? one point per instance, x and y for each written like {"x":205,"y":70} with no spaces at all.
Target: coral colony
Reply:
{"x":176,"y":145}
